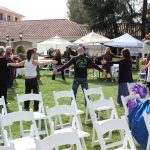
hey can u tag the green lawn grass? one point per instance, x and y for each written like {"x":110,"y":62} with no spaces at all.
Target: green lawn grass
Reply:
{"x":47,"y":86}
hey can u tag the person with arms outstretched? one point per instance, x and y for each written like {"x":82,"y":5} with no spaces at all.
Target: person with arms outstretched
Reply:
{"x":81,"y":63}
{"x":31,"y":82}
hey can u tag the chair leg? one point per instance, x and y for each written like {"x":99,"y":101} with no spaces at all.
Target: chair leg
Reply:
{"x":83,"y":144}
{"x":39,"y":125}
{"x":46,"y":128}
{"x":72,"y":147}
{"x":80,"y":122}
{"x":86,"y":116}
{"x":93,"y":137}
{"x":21,"y":129}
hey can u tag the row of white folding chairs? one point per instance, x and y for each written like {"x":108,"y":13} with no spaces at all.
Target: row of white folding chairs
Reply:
{"x":38,"y":115}
{"x":60,"y":94}
{"x":82,"y":134}
{"x":97,"y":106}
{"x":61,"y":137}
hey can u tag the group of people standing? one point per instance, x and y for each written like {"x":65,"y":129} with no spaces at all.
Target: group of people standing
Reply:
{"x":81,"y":63}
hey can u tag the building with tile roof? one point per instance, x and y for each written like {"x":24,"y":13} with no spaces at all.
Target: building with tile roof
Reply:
{"x":35,"y":31}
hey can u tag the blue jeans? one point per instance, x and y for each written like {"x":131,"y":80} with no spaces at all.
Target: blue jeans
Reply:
{"x":79,"y":81}
{"x":122,"y":91}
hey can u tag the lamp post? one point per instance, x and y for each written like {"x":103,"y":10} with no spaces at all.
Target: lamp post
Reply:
{"x":7,"y":39}
{"x":20,"y":37}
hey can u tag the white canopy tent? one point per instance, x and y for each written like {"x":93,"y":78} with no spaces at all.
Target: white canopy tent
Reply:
{"x":92,"y":38}
{"x":127,"y":41}
{"x":53,"y":43}
{"x":93,"y":42}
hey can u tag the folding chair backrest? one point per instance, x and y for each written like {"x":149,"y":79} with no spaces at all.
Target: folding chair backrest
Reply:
{"x":113,"y":125}
{"x":94,"y":106}
{"x":59,"y":139}
{"x":125,"y":102}
{"x":93,"y":91}
{"x":59,"y":95}
{"x":2,"y":103}
{"x":30,"y":97}
{"x":59,"y":110}
{"x":10,"y":118}
{"x":130,"y":86}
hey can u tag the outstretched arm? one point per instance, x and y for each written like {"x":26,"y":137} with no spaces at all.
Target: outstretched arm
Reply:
{"x":37,"y":63}
{"x":69,"y":63}
{"x":21,"y":64}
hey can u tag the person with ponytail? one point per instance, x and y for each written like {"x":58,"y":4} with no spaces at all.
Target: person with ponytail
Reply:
{"x":31,"y":83}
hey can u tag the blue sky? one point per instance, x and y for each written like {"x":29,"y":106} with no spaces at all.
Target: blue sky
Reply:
{"x":38,"y":9}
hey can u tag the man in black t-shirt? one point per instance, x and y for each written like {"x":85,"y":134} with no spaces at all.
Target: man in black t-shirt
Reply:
{"x":81,"y":63}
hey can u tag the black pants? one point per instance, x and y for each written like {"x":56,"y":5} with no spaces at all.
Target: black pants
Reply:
{"x":31,"y":84}
{"x":3,"y":89}
{"x":62,"y":74}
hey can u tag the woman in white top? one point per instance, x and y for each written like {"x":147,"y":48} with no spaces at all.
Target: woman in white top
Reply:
{"x":31,"y":82}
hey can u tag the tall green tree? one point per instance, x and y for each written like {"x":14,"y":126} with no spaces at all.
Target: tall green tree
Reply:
{"x":144,"y":19}
{"x":76,"y":11}
{"x":148,"y":19}
{"x":106,"y":15}
{"x":112,"y":17}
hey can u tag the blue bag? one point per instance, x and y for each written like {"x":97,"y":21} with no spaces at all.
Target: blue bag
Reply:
{"x":137,"y":124}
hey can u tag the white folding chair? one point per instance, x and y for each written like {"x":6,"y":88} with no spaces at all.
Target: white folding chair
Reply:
{"x":93,"y":108}
{"x":130,"y":86}
{"x":60,"y":110}
{"x":23,"y":143}
{"x":40,"y":114}
{"x":125,"y":102}
{"x":2,"y":103}
{"x":3,"y":111}
{"x":88,"y":94}
{"x":66,"y":97}
{"x":11,"y":147}
{"x":59,"y":139}
{"x":106,"y":126}
{"x":147,"y":122}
